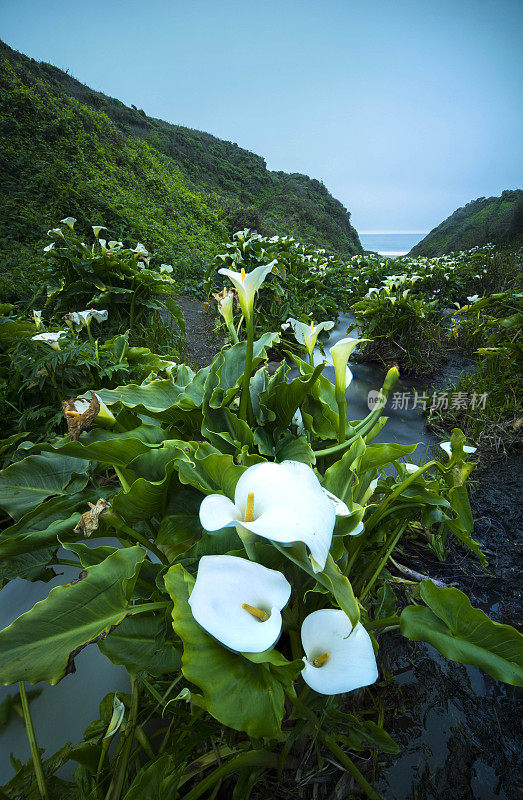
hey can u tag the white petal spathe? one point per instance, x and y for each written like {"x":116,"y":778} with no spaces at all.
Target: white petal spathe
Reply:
{"x":351,"y":663}
{"x":223,"y":585}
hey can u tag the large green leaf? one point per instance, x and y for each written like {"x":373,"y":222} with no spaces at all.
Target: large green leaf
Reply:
{"x":142,"y":642}
{"x":239,"y":693}
{"x":48,"y":524}
{"x":108,"y":447}
{"x":37,"y":646}
{"x":28,"y":566}
{"x":26,"y":483}
{"x":377,"y":455}
{"x":464,"y":634}
{"x":158,"y":780}
{"x":162,"y":399}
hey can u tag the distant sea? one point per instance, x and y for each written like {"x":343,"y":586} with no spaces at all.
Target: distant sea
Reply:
{"x":393,"y":243}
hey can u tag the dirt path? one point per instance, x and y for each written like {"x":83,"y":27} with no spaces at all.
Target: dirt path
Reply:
{"x":201,"y":343}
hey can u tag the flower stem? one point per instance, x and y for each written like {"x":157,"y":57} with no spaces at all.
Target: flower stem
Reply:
{"x":245,"y":396}
{"x":333,"y":747}
{"x":382,"y":561}
{"x":342,"y":414}
{"x":254,"y":758}
{"x":375,"y":517}
{"x":40,"y":779}
{"x":115,"y":789}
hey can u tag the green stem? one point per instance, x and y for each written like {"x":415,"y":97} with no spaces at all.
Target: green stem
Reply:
{"x":254,"y":758}
{"x":248,"y":540}
{"x":232,"y":331}
{"x":145,"y":742}
{"x":143,"y":607}
{"x":386,"y":622}
{"x":90,"y":335}
{"x":333,"y":747}
{"x":375,"y":517}
{"x":342,"y":414}
{"x":128,"y":532}
{"x":382,"y":561}
{"x":115,"y":789}
{"x":123,"y":480}
{"x":244,"y":399}
{"x":40,"y":779}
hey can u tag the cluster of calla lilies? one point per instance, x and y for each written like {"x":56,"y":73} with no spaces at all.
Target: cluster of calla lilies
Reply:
{"x":74,"y":319}
{"x":239,"y":602}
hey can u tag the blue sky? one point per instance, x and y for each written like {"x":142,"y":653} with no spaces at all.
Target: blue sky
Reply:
{"x":406,"y":109}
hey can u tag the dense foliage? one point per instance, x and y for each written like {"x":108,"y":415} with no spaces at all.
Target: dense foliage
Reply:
{"x":246,"y":512}
{"x":488,"y":219}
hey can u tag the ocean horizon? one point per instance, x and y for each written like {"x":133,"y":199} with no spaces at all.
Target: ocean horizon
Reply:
{"x":391,"y":243}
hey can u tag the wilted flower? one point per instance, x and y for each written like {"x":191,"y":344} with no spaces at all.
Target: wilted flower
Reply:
{"x":339,"y":658}
{"x":50,"y":338}
{"x":225,"y":301}
{"x":248,"y":284}
{"x":307,"y":334}
{"x":80,"y":414}
{"x":239,"y":602}
{"x":281,"y":502}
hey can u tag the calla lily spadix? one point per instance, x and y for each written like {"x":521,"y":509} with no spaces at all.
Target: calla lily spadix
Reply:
{"x":307,"y":333}
{"x":339,"y":658}
{"x":284,"y":503}
{"x":50,"y":338}
{"x":247,"y":284}
{"x":239,"y":602}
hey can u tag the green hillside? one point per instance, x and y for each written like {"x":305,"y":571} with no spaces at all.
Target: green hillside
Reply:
{"x":498,"y":220}
{"x":68,"y":150}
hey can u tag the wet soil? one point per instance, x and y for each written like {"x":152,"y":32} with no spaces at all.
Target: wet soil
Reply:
{"x":460,"y":729}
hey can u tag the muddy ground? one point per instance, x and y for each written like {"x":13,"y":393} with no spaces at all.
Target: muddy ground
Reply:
{"x":460,"y":730}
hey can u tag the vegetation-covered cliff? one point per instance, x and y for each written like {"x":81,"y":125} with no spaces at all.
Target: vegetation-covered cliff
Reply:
{"x":498,"y":220}
{"x":68,"y":150}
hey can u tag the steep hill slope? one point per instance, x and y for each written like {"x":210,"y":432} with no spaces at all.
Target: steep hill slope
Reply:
{"x":488,"y":219}
{"x":66,"y":149}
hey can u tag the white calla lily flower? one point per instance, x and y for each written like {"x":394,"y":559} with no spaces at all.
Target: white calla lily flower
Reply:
{"x":307,"y":333}
{"x":473,"y":297}
{"x":37,"y":316}
{"x":69,"y":221}
{"x":97,"y":229}
{"x":57,"y":231}
{"x":284,"y":503}
{"x":340,"y":354}
{"x":239,"y":602}
{"x":99,"y":315}
{"x":51,"y":338}
{"x":339,"y":658}
{"x":247,"y":284}
{"x":167,"y":268}
{"x":446,"y":446}
{"x":49,"y":247}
